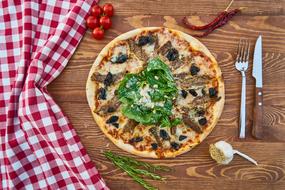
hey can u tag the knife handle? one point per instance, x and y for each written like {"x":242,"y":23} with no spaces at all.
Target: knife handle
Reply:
{"x":257,"y":128}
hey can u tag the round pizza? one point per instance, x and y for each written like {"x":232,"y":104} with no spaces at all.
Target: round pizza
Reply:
{"x":155,"y":92}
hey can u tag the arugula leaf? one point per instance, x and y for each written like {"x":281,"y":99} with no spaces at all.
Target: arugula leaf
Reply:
{"x":161,"y":89}
{"x":176,"y":121}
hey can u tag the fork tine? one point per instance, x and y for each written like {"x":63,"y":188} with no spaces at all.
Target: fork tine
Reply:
{"x":242,"y":50}
{"x":245,"y":51}
{"x":248,"y":50}
{"x":238,"y":51}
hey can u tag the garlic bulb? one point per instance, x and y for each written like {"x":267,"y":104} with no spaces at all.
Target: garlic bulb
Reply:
{"x":223,"y":153}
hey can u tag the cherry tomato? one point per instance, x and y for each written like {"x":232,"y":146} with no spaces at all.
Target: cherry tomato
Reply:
{"x":96,"y":10}
{"x":98,"y":33}
{"x":108,"y":9}
{"x":92,"y":22}
{"x":106,"y":22}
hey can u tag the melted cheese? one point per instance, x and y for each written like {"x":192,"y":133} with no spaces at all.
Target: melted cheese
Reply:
{"x":145,"y":98}
{"x":149,"y":49}
{"x":122,"y":49}
{"x":134,"y":65}
{"x":203,"y":66}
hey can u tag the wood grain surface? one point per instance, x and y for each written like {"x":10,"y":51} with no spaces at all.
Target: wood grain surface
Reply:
{"x":195,"y":169}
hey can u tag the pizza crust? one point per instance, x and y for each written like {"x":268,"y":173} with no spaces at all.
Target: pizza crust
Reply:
{"x":217,"y":108}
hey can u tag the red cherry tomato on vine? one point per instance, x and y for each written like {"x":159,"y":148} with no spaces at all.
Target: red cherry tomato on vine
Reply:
{"x":96,"y":10}
{"x":108,"y":9}
{"x":98,"y":33}
{"x":106,"y":22}
{"x":92,"y":22}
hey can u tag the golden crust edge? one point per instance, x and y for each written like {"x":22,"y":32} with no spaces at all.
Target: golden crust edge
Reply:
{"x":217,"y":109}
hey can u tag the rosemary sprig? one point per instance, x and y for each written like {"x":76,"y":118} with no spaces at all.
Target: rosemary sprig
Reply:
{"x":136,"y":163}
{"x":130,"y":166}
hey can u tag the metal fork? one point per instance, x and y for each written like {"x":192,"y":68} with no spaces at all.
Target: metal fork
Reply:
{"x":242,"y":65}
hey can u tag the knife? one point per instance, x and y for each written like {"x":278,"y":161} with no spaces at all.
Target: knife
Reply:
{"x":257,"y":128}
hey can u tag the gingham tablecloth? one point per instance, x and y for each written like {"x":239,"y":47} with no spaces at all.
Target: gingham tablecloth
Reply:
{"x":39,"y":147}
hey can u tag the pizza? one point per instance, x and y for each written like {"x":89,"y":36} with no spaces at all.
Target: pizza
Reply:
{"x":155,"y":92}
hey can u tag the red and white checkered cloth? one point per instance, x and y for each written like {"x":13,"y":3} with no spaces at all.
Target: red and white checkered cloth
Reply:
{"x":39,"y":147}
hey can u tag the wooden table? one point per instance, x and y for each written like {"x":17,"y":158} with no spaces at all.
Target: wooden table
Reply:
{"x":195,"y":169}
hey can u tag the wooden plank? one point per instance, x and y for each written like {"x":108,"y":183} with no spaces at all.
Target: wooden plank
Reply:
{"x":196,"y":7}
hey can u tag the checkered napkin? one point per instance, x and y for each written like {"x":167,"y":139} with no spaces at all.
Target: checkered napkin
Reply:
{"x":39,"y":147}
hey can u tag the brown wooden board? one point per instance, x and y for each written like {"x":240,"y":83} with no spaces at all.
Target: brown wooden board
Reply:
{"x":195,"y":169}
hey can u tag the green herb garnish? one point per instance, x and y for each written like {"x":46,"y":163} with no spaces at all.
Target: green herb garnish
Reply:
{"x":134,"y":169}
{"x":147,"y":96}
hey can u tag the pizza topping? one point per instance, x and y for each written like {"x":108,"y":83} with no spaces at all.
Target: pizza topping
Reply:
{"x":200,"y":112}
{"x":164,"y":135}
{"x":202,"y":121}
{"x":102,"y":94}
{"x":173,"y":130}
{"x":109,"y":79}
{"x":183,"y":93}
{"x":98,"y":77}
{"x":191,"y":124}
{"x":172,"y":54}
{"x":194,"y":70}
{"x":212,"y":92}
{"x":203,"y":92}
{"x":146,"y":99}
{"x":112,"y":119}
{"x":138,"y":51}
{"x":154,"y":146}
{"x":143,"y":40}
{"x":176,"y":64}
{"x":153,"y":131}
{"x":115,"y":125}
{"x":106,"y":79}
{"x":185,"y":81}
{"x":193,"y":92}
{"x":121,"y":58}
{"x":182,"y":137}
{"x":135,"y":140}
{"x":111,"y":109}
{"x":130,"y":126}
{"x":165,"y":47}
{"x":175,"y":145}
{"x":111,"y":106}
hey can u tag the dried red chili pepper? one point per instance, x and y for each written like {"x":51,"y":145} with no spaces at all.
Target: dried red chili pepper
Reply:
{"x":212,"y":23}
{"x":221,"y":22}
{"x":221,"y":19}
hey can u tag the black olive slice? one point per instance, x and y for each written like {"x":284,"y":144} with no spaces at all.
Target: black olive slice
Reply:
{"x":163,"y":134}
{"x":182,"y":137}
{"x":112,"y":119}
{"x":193,"y":92}
{"x":194,"y":70}
{"x":183,"y":93}
{"x":135,"y":140}
{"x":154,"y":146}
{"x":102,"y":94}
{"x":202,"y":121}
{"x":212,"y":92}
{"x":172,"y":54}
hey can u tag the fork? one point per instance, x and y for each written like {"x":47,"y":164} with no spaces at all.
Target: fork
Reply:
{"x":242,"y":65}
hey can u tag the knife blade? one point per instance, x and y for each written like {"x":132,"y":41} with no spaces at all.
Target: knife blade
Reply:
{"x":257,"y":128}
{"x":257,"y":62}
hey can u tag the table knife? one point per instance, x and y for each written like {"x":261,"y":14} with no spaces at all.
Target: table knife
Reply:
{"x":257,"y":128}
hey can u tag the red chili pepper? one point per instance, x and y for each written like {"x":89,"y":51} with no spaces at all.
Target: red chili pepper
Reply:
{"x":229,"y":15}
{"x":212,"y":23}
{"x":221,"y":19}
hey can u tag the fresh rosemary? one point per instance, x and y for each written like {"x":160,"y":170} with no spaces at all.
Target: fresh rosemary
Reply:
{"x":134,"y":169}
